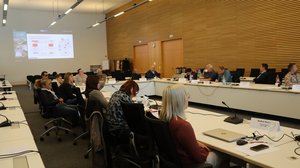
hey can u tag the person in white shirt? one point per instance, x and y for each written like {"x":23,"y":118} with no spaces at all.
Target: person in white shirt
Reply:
{"x":80,"y":78}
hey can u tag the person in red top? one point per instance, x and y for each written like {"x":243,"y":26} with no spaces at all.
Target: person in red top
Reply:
{"x":190,"y":151}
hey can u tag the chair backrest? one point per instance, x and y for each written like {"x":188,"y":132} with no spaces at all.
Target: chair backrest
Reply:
{"x":55,"y":88}
{"x":99,"y":139}
{"x":164,"y":141}
{"x":134,"y":114}
{"x":254,"y":72}
{"x":91,"y":106}
{"x":46,"y":111}
{"x":240,"y":71}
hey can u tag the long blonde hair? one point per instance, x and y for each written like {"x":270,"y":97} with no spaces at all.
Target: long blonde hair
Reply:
{"x":174,"y":101}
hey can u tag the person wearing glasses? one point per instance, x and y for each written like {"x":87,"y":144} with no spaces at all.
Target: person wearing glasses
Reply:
{"x":191,"y":152}
{"x":80,"y":78}
{"x":117,"y":126}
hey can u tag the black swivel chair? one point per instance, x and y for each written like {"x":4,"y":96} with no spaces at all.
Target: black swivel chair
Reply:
{"x":102,"y":155}
{"x":57,"y":123}
{"x":254,"y":72}
{"x":141,"y":142}
{"x":167,"y":154}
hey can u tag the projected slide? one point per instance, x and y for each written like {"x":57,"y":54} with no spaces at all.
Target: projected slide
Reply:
{"x":20,"y":44}
{"x":50,"y":46}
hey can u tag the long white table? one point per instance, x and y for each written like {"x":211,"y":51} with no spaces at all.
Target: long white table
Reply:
{"x":284,"y":156}
{"x":265,"y":99}
{"x":17,"y":137}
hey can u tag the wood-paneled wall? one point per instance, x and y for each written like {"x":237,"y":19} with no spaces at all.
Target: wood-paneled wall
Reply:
{"x":233,"y":33}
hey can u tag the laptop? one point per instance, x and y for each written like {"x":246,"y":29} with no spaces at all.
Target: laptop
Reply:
{"x":224,"y":135}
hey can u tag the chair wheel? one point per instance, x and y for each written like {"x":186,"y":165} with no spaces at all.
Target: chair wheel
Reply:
{"x":47,"y":133}
{"x":45,"y":127}
{"x":41,"y":139}
{"x":86,"y":156}
{"x":59,"y":139}
{"x":74,"y":143}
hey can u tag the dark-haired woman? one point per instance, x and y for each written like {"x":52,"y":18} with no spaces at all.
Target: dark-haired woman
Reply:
{"x":117,"y":126}
{"x":92,"y":92}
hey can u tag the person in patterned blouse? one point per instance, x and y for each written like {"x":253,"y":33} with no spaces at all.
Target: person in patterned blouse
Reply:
{"x":292,"y":78}
{"x":117,"y":126}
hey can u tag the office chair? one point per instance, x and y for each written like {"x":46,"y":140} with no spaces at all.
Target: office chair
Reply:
{"x":102,"y":155}
{"x":91,"y":106}
{"x":254,"y":72}
{"x":141,"y":142}
{"x":167,"y":155}
{"x":57,"y":123}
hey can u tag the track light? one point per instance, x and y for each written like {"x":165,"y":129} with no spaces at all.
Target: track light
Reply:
{"x":4,"y":16}
{"x":120,"y":13}
{"x":59,"y":17}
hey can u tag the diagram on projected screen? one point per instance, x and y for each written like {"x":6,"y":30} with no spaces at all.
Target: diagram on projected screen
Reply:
{"x":49,"y":46}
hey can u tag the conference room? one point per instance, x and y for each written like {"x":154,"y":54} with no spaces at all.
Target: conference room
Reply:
{"x":149,"y":83}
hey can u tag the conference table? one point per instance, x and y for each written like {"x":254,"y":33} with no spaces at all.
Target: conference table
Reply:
{"x":5,"y":85}
{"x":17,"y":137}
{"x":258,"y":98}
{"x":280,"y":154}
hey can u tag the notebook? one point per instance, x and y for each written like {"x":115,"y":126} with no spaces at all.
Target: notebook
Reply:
{"x":224,"y":135}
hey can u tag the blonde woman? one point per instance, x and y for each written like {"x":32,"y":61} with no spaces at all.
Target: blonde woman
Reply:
{"x":190,"y":151}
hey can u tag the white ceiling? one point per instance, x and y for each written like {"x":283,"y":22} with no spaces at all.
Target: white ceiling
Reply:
{"x":88,"y":6}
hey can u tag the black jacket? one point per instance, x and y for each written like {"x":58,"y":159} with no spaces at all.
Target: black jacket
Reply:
{"x":48,"y":99}
{"x":262,"y":78}
{"x":66,"y":91}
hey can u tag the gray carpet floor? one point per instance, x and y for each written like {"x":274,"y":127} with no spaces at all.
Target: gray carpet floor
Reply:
{"x":63,"y":154}
{"x":54,"y":154}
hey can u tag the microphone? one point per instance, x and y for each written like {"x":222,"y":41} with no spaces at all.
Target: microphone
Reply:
{"x":2,"y":107}
{"x":5,"y":123}
{"x":156,"y":106}
{"x":234,"y":119}
{"x":3,"y":98}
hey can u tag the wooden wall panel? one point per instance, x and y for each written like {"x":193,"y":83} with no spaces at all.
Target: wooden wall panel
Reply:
{"x":232,"y":33}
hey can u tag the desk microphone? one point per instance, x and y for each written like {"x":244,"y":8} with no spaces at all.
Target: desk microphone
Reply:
{"x":3,"y":98}
{"x":2,"y":107}
{"x":234,"y":119}
{"x":156,"y":106}
{"x":6,"y":92}
{"x":5,"y":123}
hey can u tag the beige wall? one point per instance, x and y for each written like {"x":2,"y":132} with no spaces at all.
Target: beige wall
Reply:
{"x":89,"y":44}
{"x":233,"y":33}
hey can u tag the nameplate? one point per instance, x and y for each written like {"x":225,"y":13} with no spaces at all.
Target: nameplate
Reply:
{"x":182,"y":80}
{"x":143,"y":79}
{"x":269,"y":125}
{"x":296,"y":87}
{"x":244,"y":84}
{"x":206,"y":82}
{"x":112,"y":81}
{"x":194,"y":81}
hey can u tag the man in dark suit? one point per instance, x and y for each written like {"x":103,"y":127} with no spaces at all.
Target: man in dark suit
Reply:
{"x":152,"y":73}
{"x":263,"y":77}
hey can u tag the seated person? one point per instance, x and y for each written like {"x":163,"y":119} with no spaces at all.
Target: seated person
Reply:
{"x":209,"y":73}
{"x":66,"y":90}
{"x":190,"y":74}
{"x":101,"y":74}
{"x":59,"y":108}
{"x":117,"y":126}
{"x":135,"y":75}
{"x":58,"y":79}
{"x":56,"y":82}
{"x":263,"y":77}
{"x":292,"y":77}
{"x":152,"y":73}
{"x":92,"y":93}
{"x":224,"y":75}
{"x":80,"y":78}
{"x":190,"y":151}
{"x":44,"y":75}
